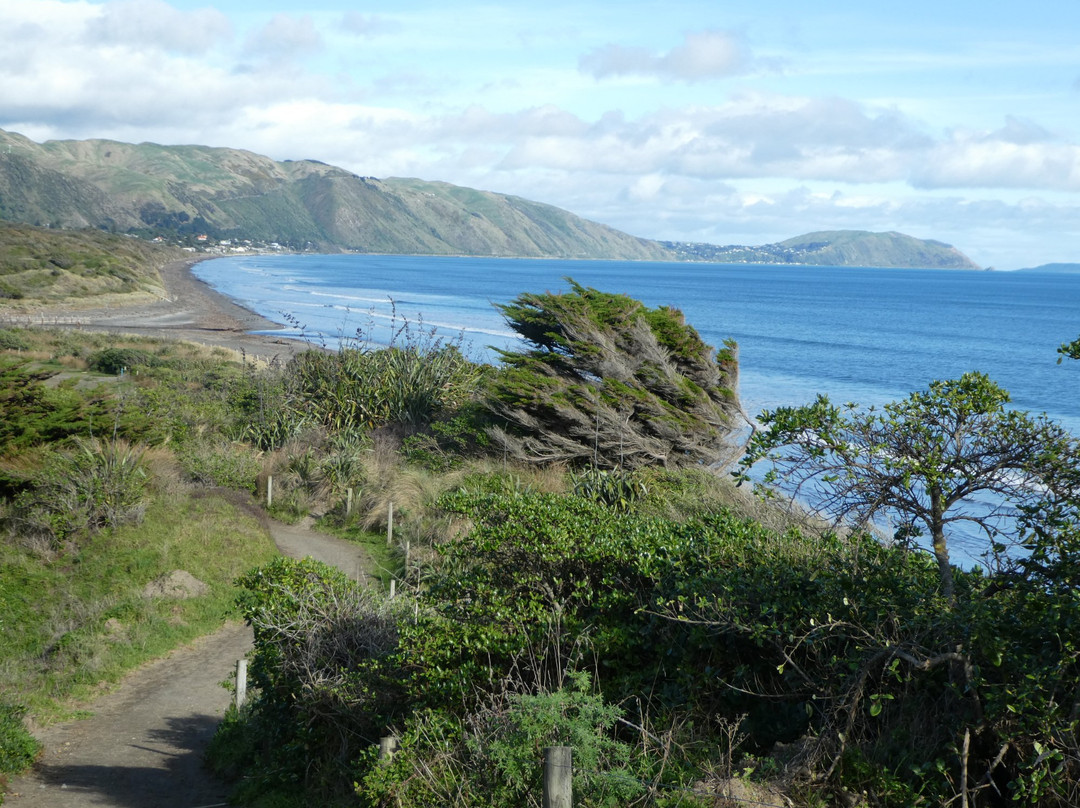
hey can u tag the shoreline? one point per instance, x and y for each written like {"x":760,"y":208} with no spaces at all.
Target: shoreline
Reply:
{"x":191,"y":311}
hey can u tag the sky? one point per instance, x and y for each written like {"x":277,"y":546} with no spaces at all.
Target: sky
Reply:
{"x":717,"y":121}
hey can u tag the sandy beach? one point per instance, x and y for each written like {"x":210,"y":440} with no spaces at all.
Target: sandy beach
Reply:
{"x":191,"y":310}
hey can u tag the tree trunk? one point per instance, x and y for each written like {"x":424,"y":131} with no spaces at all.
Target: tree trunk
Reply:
{"x":941,"y":546}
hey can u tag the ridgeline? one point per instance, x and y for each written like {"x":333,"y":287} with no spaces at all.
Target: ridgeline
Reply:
{"x":202,"y":195}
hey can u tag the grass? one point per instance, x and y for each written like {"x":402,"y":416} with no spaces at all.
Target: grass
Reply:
{"x":39,"y":266}
{"x":80,"y":619}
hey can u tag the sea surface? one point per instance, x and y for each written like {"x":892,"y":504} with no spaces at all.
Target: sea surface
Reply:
{"x":856,"y":334}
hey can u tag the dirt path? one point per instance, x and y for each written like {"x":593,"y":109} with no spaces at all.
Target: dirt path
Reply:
{"x":144,"y":744}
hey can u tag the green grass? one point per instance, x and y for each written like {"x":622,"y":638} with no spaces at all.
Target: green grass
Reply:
{"x":79,"y":620}
{"x":51,"y":266}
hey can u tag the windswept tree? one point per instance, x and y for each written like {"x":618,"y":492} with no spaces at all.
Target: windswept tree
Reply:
{"x":951,"y":455}
{"x":606,"y":381}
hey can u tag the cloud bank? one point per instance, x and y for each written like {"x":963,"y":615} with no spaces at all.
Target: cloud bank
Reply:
{"x":716,"y":154}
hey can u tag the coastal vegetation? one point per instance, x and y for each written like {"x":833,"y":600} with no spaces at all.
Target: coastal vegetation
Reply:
{"x":558,"y":578}
{"x":41,"y":267}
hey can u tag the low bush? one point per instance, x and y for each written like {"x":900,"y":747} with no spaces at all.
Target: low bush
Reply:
{"x":115,"y":361}
{"x":94,"y":485}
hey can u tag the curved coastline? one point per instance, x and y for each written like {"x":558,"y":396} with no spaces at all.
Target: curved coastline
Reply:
{"x":191,"y":310}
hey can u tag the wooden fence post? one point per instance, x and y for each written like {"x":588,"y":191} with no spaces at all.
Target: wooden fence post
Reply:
{"x":241,"y":682}
{"x":393,"y":588}
{"x":270,"y":491}
{"x":390,"y":526}
{"x":348,"y":502}
{"x":388,"y":745}
{"x":558,"y":778}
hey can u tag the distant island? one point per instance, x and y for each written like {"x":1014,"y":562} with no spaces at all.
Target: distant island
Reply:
{"x":230,"y":200}
{"x":834,"y":248}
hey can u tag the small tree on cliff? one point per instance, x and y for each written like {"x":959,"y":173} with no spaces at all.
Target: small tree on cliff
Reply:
{"x":952,"y":454}
{"x":607,"y":381}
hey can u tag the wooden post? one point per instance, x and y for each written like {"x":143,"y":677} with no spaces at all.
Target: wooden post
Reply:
{"x":270,"y":491}
{"x":558,"y":778}
{"x":388,"y":745}
{"x":241,"y":682}
{"x":348,"y":502}
{"x":393,"y":587}
{"x":390,"y":526}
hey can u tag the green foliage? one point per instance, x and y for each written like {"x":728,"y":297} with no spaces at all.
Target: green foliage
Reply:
{"x":607,"y":381}
{"x":93,"y":486}
{"x":1069,"y":350}
{"x":36,"y":414}
{"x":924,"y":460}
{"x":450,"y":441}
{"x":494,"y":757}
{"x":228,"y":465}
{"x":117,"y":360}
{"x":13,"y":339}
{"x":359,"y":388}
{"x":18,"y":748}
{"x":615,"y":488}
{"x":324,"y":686}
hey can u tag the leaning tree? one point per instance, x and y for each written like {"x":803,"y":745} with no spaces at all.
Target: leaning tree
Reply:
{"x":951,"y":455}
{"x":605,"y":380}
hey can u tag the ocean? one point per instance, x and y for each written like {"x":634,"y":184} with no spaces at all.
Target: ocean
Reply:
{"x":865,"y":335}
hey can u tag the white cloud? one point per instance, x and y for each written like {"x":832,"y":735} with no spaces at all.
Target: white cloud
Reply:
{"x":154,"y":24}
{"x":701,"y":56}
{"x":285,"y":37}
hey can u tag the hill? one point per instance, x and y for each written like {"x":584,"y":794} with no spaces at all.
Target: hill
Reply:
{"x":228,"y":193}
{"x":188,"y":191}
{"x":835,"y":248}
{"x":40,"y":265}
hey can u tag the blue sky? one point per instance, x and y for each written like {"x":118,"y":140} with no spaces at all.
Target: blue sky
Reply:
{"x":724,"y":122}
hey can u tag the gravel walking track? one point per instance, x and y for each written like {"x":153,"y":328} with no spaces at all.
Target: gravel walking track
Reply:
{"x":143,"y":746}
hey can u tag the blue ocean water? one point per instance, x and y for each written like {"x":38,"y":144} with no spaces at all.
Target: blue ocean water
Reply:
{"x":863,"y":335}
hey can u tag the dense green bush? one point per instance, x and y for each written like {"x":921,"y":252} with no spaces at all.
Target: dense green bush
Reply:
{"x":12,"y":339}
{"x":361,"y":388}
{"x":324,"y":686}
{"x":221,"y":463}
{"x":492,"y":758}
{"x":118,"y":360}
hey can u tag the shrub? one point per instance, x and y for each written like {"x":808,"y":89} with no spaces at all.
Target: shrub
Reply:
{"x":493,"y":757}
{"x":116,"y":360}
{"x":222,"y":464}
{"x":323,"y":683}
{"x":13,"y":340}
{"x":93,"y":486}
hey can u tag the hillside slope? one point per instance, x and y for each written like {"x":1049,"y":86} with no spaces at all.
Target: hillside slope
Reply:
{"x":152,"y":189}
{"x":185,"y":191}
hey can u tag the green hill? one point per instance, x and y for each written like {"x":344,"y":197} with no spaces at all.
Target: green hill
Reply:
{"x":229,"y":193}
{"x":186,"y":191}
{"x":857,"y":248}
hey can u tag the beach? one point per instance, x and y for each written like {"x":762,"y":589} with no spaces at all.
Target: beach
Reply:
{"x":191,"y":311}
